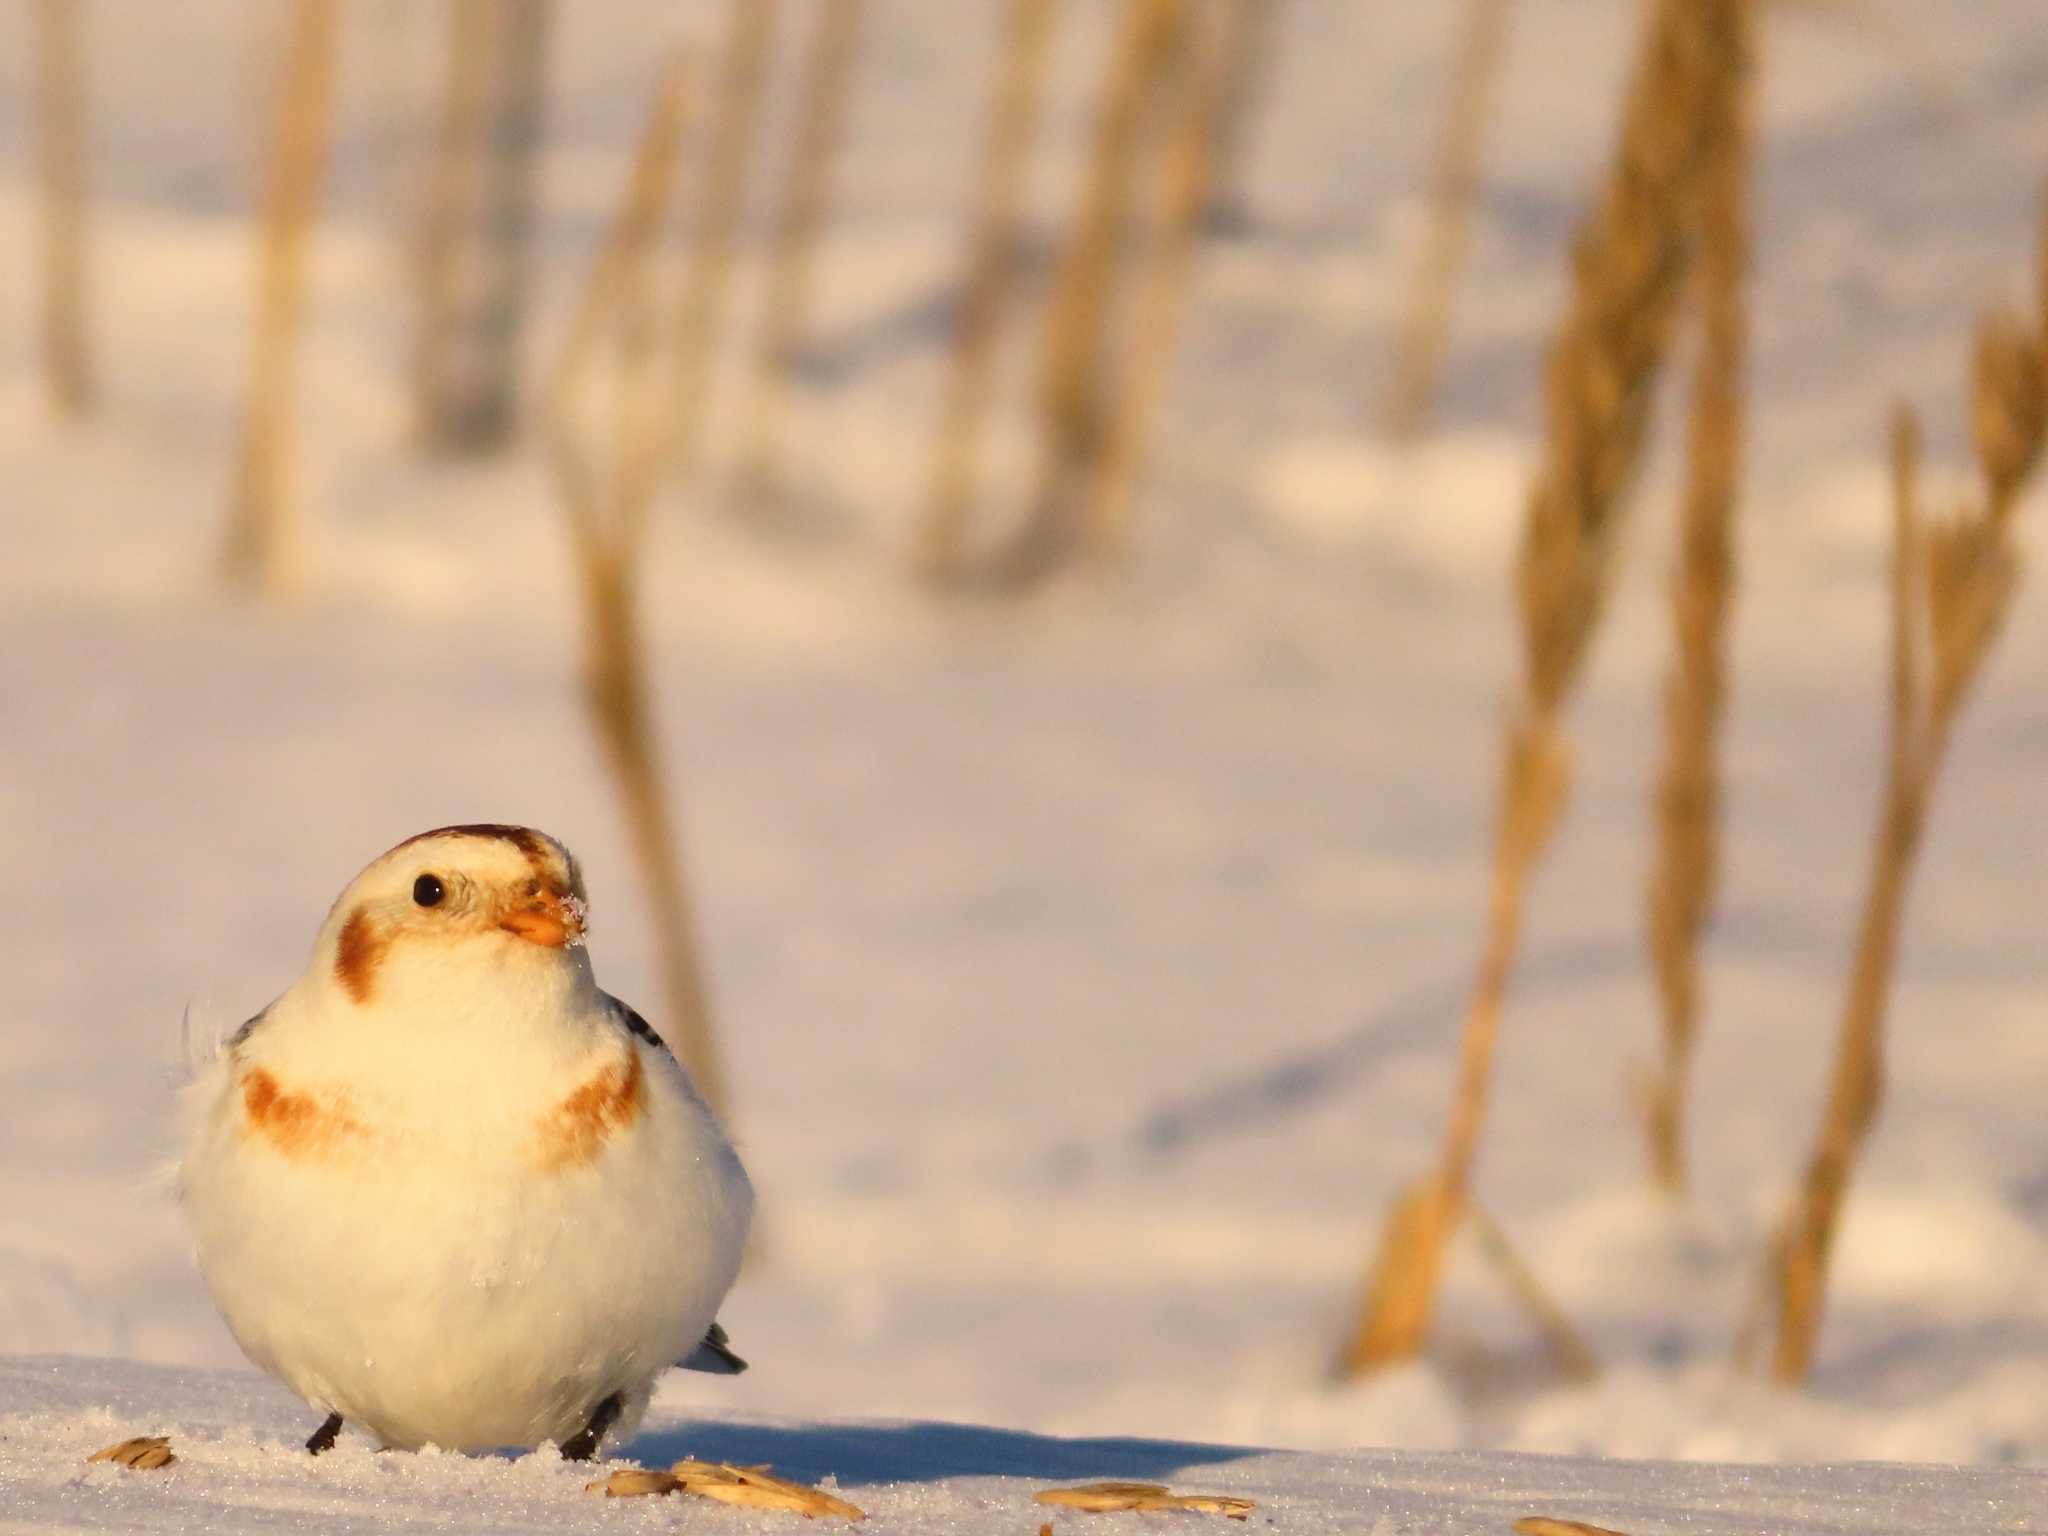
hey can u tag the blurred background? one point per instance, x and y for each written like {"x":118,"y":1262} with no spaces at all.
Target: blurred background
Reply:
{"x":954,"y":510}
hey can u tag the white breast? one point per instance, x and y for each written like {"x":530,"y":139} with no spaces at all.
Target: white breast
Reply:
{"x":471,"y":1260}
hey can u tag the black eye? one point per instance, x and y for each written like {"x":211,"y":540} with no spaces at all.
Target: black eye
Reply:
{"x":427,"y":891}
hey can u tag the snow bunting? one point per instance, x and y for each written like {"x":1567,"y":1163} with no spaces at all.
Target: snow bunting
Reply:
{"x":447,"y":1189}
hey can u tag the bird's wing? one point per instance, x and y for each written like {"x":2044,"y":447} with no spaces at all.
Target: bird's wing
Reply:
{"x":713,"y":1355}
{"x":630,"y":1020}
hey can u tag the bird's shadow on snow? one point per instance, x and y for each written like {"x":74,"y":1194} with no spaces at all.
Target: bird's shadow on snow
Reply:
{"x":857,"y":1454}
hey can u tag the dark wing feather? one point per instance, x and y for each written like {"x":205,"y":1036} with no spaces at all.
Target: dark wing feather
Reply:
{"x":714,"y":1354}
{"x":633,"y":1022}
{"x":249,"y":1027}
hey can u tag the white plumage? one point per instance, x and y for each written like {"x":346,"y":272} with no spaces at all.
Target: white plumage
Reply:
{"x":445,"y":1187}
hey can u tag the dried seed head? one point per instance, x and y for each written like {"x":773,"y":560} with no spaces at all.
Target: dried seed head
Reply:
{"x":1970,"y":572}
{"x":2008,"y":404}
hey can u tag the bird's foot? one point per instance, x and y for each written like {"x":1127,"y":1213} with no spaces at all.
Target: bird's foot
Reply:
{"x":583,"y":1445}
{"x":323,"y":1438}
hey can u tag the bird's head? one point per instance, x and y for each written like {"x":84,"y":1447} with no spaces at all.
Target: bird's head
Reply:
{"x":458,"y":902}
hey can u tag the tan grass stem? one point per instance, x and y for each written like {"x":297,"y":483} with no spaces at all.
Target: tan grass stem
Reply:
{"x":1075,"y":369}
{"x":452,"y":184}
{"x":1453,"y":182}
{"x":475,"y":254}
{"x":714,"y":232}
{"x":260,"y":546}
{"x":1631,"y":260}
{"x":823,"y":93}
{"x":611,"y":421}
{"x":991,"y":264}
{"x":1175,"y":212}
{"x":1567,"y":1345}
{"x":1855,"y":1085}
{"x":60,"y":166}
{"x":1685,"y":874}
{"x":1952,"y":584}
{"x":1249,"y":53}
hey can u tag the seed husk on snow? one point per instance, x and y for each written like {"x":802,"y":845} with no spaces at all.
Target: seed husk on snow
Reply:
{"x":635,"y":1483}
{"x":753,"y":1487}
{"x":145,"y":1453}
{"x":1101,"y":1498}
{"x":1544,"y":1525}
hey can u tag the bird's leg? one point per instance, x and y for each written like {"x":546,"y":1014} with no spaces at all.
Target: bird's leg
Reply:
{"x":324,"y":1437}
{"x":583,"y":1446}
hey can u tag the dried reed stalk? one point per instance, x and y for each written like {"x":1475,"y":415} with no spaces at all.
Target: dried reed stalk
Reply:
{"x":60,"y":165}
{"x":1631,"y":260}
{"x":484,"y":407}
{"x":1567,"y":1345}
{"x":1952,"y":584}
{"x":1453,"y":182}
{"x":1686,"y":873}
{"x":451,"y":197}
{"x":476,"y":259}
{"x":259,"y":544}
{"x":742,"y":77}
{"x":828,"y":73}
{"x":1195,"y":92}
{"x":1251,"y":41}
{"x":1074,"y":364}
{"x":608,"y":493}
{"x":1013,"y":120}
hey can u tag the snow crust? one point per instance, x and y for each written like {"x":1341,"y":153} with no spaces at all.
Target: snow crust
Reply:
{"x":240,"y":1468}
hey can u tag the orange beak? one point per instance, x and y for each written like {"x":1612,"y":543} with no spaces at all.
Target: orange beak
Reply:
{"x":549,"y":920}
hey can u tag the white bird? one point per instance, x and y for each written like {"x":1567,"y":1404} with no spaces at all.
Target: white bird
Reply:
{"x":448,"y":1190}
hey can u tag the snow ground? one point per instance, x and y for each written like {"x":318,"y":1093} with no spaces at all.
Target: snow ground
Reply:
{"x":1089,"y":971}
{"x":239,"y":1470}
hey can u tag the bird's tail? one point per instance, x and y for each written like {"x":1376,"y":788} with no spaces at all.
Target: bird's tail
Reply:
{"x":714,"y":1355}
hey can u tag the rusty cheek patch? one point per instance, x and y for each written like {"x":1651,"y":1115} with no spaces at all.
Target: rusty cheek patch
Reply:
{"x":576,"y":1130}
{"x":296,"y":1124}
{"x":357,"y":954}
